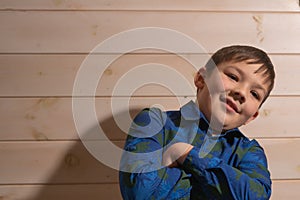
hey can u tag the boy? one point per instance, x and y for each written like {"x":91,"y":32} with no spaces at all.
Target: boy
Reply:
{"x":198,"y":152}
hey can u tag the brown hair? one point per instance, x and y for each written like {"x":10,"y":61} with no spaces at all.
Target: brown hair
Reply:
{"x":251,"y":55}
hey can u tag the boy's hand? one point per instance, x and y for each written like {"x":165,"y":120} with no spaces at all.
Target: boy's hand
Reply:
{"x":176,"y":154}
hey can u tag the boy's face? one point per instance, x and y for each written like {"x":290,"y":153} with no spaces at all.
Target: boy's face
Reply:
{"x":232,"y":93}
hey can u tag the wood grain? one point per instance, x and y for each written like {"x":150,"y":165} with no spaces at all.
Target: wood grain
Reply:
{"x":52,"y":118}
{"x":190,"y":5}
{"x":279,"y":153}
{"x":44,"y":43}
{"x":60,"y":192}
{"x":287,"y":189}
{"x":69,"y":162}
{"x":282,"y":189}
{"x":80,"y":32}
{"x":55,"y":75}
{"x":62,"y":162}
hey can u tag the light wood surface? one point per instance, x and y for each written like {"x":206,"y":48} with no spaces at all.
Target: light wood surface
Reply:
{"x":61,"y":192}
{"x":80,"y":31}
{"x":67,"y":162}
{"x":45,"y":42}
{"x":54,"y":75}
{"x":52,"y":118}
{"x":169,"y":5}
{"x":98,"y":191}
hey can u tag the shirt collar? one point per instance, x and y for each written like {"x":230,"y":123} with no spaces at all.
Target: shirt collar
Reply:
{"x":190,"y":111}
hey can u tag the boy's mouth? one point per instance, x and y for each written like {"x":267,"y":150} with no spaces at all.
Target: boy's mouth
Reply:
{"x":230,"y":104}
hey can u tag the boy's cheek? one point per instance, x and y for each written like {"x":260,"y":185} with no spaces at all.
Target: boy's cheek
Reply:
{"x":250,"y":106}
{"x":216,"y":85}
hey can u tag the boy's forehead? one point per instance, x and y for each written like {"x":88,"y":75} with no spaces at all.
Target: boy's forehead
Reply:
{"x":247,"y":66}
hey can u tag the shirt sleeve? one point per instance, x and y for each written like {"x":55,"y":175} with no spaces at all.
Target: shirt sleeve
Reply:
{"x":249,"y":181}
{"x":142,"y":175}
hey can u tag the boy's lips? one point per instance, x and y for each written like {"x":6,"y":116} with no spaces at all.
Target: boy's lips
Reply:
{"x":231,"y":104}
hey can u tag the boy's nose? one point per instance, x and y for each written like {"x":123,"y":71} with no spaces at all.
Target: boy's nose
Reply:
{"x":239,"y":95}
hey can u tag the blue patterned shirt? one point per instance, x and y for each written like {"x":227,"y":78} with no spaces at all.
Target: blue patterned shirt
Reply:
{"x":229,"y":166}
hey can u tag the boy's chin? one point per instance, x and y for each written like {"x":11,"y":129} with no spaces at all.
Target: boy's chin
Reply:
{"x":222,"y":121}
{"x":218,"y":123}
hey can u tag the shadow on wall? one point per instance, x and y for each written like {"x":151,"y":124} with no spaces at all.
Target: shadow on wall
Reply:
{"x":79,"y":175}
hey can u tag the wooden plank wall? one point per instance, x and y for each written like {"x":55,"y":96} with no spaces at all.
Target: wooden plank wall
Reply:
{"x":44,"y":42}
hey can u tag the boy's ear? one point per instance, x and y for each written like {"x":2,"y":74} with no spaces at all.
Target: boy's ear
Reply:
{"x":199,"y":78}
{"x":252,"y":118}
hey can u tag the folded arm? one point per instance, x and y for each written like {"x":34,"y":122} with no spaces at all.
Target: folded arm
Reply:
{"x":249,"y":180}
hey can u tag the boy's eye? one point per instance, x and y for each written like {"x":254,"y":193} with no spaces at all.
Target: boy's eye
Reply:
{"x":233,"y":77}
{"x":255,"y":95}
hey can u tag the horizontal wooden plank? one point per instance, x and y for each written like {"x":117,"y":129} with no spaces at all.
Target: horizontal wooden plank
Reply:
{"x":80,"y":32}
{"x":52,"y":118}
{"x":54,"y":75}
{"x":38,"y":75}
{"x":68,"y":162}
{"x":286,"y":189}
{"x":60,"y":192}
{"x":282,"y":157}
{"x":190,"y":5}
{"x":51,"y":162}
{"x":274,"y":118}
